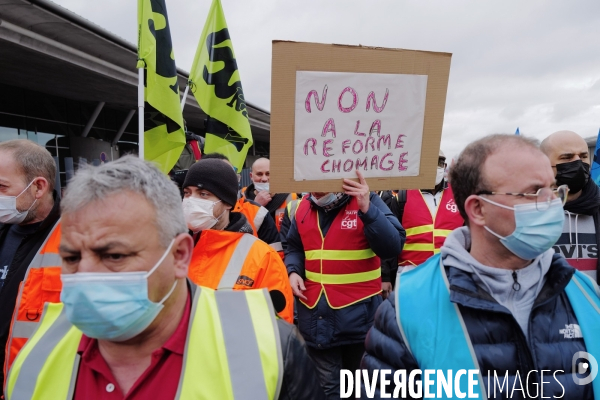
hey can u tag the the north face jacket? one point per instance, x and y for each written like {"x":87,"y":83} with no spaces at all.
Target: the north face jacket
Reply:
{"x":498,"y":341}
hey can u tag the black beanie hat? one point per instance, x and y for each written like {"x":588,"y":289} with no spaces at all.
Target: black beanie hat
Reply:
{"x":216,"y":176}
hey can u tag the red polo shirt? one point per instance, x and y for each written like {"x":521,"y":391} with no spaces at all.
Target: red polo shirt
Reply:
{"x":159,"y":380}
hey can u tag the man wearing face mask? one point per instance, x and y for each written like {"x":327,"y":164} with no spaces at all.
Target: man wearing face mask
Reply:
{"x":428,"y":215}
{"x":258,"y":217}
{"x":258,"y":191}
{"x":226,"y":255}
{"x":29,"y":214}
{"x":580,"y":240}
{"x":333,"y":252}
{"x":497,"y":299}
{"x":130,"y":325}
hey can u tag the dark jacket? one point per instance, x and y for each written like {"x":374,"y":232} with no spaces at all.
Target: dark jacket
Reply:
{"x":300,"y":379}
{"x":322,"y":326}
{"x":16,"y":272}
{"x":497,"y":338}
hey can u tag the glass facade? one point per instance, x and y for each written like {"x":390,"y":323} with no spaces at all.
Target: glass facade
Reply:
{"x":53,"y":122}
{"x":50,"y":121}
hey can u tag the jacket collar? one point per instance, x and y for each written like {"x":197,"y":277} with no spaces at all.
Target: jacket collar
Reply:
{"x":464,"y":290}
{"x":238,"y":223}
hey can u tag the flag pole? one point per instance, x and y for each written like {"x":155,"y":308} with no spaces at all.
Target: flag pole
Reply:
{"x":185,"y":93}
{"x":141,"y":112}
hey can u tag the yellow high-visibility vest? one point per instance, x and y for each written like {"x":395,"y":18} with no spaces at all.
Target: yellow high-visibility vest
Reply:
{"x":232,"y":351}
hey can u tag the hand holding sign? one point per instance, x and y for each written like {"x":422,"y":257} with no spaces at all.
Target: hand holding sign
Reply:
{"x":360,"y":190}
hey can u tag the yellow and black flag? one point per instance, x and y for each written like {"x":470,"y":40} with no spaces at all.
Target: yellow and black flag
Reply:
{"x":164,"y":136}
{"x":215,"y":82}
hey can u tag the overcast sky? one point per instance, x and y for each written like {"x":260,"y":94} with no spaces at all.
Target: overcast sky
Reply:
{"x":534,"y":64}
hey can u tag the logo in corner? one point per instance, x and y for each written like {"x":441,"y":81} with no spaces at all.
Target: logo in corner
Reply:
{"x":350,"y":220}
{"x":243,"y":280}
{"x":587,"y":366}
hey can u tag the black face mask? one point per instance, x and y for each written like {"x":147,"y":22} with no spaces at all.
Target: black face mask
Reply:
{"x":575,"y":174}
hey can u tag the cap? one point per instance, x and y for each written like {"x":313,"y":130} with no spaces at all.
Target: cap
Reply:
{"x":215,"y":176}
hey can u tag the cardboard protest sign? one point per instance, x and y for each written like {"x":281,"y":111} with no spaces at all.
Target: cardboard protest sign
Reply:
{"x":337,"y":108}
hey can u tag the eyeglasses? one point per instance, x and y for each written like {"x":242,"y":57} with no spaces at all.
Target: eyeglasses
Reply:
{"x":543,"y":197}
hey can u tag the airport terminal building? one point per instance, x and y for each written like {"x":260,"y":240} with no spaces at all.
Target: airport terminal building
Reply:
{"x":71,"y":86}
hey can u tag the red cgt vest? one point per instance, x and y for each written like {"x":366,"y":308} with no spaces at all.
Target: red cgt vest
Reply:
{"x":341,"y":264}
{"x":424,"y":236}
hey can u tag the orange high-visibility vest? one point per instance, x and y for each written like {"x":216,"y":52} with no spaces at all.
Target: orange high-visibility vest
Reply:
{"x":341,"y":264}
{"x":41,"y":284}
{"x":255,"y":214}
{"x":239,"y":261}
{"x":280,"y":212}
{"x":426,"y":233}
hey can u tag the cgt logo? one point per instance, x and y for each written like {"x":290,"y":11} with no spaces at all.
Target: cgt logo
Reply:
{"x":350,"y":220}
{"x":451,"y":206}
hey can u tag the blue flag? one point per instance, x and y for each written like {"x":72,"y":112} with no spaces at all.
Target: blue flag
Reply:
{"x":596,"y":162}
{"x":517,"y":131}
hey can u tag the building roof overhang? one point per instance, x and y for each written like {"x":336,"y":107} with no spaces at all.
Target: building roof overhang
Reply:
{"x":46,"y":48}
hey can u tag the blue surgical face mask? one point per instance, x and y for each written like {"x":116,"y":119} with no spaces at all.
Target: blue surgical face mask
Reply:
{"x":111,"y":305}
{"x":326,"y":200}
{"x":535,"y":231}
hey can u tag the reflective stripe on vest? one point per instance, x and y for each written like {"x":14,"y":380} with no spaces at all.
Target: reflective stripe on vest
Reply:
{"x":427,"y":229}
{"x":280,"y":212}
{"x":41,"y":284}
{"x":277,"y":246}
{"x":259,"y":218}
{"x":434,"y":331}
{"x":291,"y":208}
{"x":337,"y":279}
{"x":423,"y":241}
{"x":236,"y":262}
{"x":338,"y":254}
{"x":251,"y":212}
{"x":51,"y":352}
{"x":232,"y":351}
{"x":341,"y":265}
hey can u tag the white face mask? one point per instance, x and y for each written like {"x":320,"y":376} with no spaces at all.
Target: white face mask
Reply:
{"x":261,"y":186}
{"x":8,"y":209}
{"x":199,"y":214}
{"x":439,"y":175}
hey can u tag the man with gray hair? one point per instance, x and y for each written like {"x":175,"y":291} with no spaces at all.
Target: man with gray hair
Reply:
{"x":131,"y":325}
{"x":497,"y":301}
{"x":29,"y":211}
